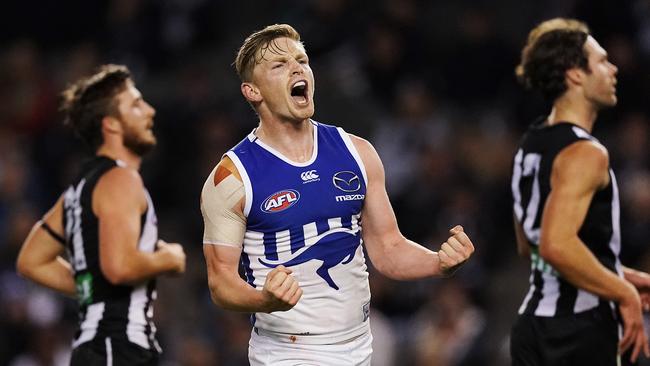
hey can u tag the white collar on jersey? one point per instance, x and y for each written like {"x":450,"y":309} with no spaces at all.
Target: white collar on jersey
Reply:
{"x":251,"y":137}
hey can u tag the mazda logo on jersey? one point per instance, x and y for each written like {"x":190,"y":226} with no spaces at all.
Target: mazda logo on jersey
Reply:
{"x":280,"y":201}
{"x":346,"y":181}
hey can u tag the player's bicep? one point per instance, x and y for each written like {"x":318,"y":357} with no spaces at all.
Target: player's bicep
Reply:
{"x":378,"y":219}
{"x":118,"y":202}
{"x":577,"y":173}
{"x":222,"y":264}
{"x":222,"y":200}
{"x":220,"y":258}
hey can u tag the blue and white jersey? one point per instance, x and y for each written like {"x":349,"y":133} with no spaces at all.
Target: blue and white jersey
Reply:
{"x":305,"y":216}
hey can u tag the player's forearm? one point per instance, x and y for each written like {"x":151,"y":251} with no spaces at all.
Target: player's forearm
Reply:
{"x":582,"y":269}
{"x":406,"y":260}
{"x":230,"y":292}
{"x":135,"y":268}
{"x":55,"y":274}
{"x":639,"y":279}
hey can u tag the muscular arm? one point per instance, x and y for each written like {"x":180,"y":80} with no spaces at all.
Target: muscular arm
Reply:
{"x":390,"y":252}
{"x":227,"y":289}
{"x":578,"y":172}
{"x":119,"y":202}
{"x":222,"y":206}
{"x":40,"y":256}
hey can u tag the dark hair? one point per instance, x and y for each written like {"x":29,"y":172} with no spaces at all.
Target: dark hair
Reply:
{"x":262,"y":40}
{"x":87,"y":101}
{"x":553,"y":47}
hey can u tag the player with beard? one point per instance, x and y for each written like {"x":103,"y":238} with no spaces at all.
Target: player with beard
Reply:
{"x":106,"y":223}
{"x":566,"y":211}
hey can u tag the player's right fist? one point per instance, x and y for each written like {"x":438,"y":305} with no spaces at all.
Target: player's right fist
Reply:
{"x":455,"y":251}
{"x":281,"y":291}
{"x":175,"y":254}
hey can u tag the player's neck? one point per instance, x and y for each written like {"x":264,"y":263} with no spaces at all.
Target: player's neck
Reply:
{"x":575,"y":109}
{"x":120,"y":152}
{"x":293,"y":140}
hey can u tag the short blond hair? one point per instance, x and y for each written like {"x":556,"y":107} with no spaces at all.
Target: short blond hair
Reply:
{"x":255,"y":46}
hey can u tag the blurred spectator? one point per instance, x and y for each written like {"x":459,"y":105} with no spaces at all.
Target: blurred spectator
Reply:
{"x":449,"y":330}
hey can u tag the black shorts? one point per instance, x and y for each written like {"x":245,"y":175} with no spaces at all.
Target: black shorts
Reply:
{"x":588,"y":338}
{"x":118,"y":352}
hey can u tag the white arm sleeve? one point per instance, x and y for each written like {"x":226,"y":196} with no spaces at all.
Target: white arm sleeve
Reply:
{"x":222,"y":224}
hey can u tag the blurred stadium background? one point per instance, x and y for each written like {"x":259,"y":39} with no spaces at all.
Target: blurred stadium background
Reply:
{"x":430,"y":83}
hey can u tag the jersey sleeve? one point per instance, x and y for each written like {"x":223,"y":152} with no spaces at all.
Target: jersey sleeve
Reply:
{"x":221,"y":194}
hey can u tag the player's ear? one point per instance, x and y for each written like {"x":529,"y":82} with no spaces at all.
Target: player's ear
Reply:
{"x":111,"y":124}
{"x":251,"y":92}
{"x":574,"y":76}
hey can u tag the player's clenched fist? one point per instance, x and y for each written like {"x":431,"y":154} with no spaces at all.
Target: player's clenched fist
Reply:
{"x":174,"y":253}
{"x":455,"y":251}
{"x":281,"y":291}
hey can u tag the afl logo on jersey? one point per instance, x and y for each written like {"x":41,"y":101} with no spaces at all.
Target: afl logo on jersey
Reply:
{"x":280,"y":201}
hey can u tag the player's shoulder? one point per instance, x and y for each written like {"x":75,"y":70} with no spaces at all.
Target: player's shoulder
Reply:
{"x":225,"y":168}
{"x":581,"y":143}
{"x":592,"y":149}
{"x":121,"y":178}
{"x":362,"y":145}
{"x":584,"y":154}
{"x":117,"y":188}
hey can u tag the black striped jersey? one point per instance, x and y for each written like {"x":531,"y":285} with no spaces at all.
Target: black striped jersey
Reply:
{"x":550,"y":294}
{"x":106,"y":310}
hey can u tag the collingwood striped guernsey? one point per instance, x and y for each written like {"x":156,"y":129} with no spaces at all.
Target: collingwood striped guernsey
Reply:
{"x":549,"y":294}
{"x":106,"y":310}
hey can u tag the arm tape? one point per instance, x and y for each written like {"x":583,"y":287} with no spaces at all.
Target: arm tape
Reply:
{"x":52,"y":233}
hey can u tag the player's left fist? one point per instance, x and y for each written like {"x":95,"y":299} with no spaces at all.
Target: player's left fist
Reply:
{"x":455,"y":251}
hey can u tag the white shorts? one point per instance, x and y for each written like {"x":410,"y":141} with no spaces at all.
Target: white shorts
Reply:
{"x":263,"y":351}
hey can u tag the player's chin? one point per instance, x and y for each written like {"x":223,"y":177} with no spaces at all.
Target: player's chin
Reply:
{"x":304,"y":112}
{"x":149,"y":139}
{"x":608,"y":102}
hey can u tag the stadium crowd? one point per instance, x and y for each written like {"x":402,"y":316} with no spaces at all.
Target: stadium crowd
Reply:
{"x":430,"y":83}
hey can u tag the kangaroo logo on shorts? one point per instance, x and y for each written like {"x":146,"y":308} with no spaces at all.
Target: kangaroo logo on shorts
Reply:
{"x":280,"y":201}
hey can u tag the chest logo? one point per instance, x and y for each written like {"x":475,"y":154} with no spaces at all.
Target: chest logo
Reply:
{"x":339,"y":249}
{"x":280,"y":201}
{"x":346,"y":181}
{"x":309,"y":176}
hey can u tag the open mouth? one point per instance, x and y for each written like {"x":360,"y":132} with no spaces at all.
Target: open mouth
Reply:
{"x":299,"y":92}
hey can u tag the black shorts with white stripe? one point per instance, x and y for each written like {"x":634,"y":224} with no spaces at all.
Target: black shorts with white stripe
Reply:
{"x":587,"y":338}
{"x":112,"y":351}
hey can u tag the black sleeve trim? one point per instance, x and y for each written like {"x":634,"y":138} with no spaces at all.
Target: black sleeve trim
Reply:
{"x":52,"y":233}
